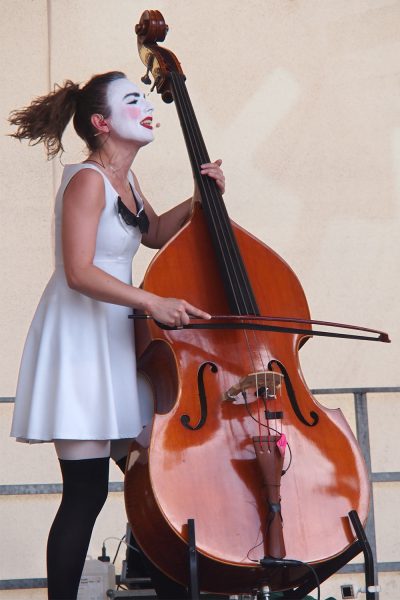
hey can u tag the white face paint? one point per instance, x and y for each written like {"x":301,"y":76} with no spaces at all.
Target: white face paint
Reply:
{"x":131,"y":114}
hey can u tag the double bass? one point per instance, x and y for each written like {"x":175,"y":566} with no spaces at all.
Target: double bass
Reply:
{"x":237,"y":441}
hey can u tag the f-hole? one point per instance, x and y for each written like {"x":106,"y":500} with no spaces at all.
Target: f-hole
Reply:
{"x":185,"y":419}
{"x":292,"y":396}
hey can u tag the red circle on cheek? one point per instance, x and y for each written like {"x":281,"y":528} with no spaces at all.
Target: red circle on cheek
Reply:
{"x":133,"y":112}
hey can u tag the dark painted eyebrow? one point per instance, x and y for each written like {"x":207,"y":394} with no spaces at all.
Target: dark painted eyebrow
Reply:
{"x":132,"y":94}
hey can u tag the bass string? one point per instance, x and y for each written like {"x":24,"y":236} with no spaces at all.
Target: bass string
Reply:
{"x":242,"y":294}
{"x":219,"y":216}
{"x":198,"y":154}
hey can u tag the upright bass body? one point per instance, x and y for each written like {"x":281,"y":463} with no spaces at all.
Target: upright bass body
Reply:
{"x":199,"y":460}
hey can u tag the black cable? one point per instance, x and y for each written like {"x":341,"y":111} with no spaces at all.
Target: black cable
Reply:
{"x":287,"y":562}
{"x":118,"y":547}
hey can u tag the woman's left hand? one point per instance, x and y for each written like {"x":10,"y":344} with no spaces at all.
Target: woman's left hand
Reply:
{"x":214,"y":171}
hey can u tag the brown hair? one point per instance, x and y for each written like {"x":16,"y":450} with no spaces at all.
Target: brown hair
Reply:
{"x":45,"y":119}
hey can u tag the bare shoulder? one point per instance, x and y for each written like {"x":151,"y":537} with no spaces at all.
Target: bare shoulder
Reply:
{"x":86,"y":188}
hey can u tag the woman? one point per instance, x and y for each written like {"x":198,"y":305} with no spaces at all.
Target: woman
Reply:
{"x":77,"y":385}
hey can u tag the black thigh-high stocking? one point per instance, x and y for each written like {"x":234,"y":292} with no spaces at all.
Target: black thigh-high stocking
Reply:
{"x":166,"y":588}
{"x":85,"y":488}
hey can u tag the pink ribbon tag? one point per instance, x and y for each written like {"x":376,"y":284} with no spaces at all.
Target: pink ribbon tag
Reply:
{"x":282,"y":443}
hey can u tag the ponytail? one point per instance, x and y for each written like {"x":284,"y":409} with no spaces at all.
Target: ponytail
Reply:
{"x":45,"y":119}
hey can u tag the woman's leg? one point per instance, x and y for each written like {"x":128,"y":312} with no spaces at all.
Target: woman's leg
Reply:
{"x":84,"y":468}
{"x":166,"y":588}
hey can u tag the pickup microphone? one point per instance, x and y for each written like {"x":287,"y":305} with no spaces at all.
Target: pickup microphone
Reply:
{"x":279,"y":562}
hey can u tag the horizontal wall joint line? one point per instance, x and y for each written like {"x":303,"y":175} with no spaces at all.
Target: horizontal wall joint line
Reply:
{"x":366,"y":390}
{"x":22,"y":584}
{"x":382,"y":567}
{"x":385,"y":477}
{"x":46,"y":488}
{"x":30,"y":584}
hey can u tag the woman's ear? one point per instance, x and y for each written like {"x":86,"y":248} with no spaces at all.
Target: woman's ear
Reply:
{"x":100,"y":124}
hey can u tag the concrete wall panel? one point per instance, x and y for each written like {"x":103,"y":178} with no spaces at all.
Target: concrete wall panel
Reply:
{"x":300,"y":99}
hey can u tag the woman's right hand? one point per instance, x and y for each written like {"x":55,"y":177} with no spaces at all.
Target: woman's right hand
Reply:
{"x":174,"y":312}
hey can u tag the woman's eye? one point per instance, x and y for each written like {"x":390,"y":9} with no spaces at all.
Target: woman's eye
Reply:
{"x":133,"y":102}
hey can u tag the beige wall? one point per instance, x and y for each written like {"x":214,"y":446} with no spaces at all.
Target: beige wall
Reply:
{"x":301,"y":100}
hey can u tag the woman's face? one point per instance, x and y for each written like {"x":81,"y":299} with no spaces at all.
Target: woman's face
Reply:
{"x":131,"y":114}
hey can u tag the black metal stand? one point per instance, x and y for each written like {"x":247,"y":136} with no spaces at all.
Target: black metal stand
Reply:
{"x":317,"y":575}
{"x":329,"y":568}
{"x":370,"y":583}
{"x":194,"y":592}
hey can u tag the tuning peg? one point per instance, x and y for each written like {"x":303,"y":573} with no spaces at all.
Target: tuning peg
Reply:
{"x":146,"y":79}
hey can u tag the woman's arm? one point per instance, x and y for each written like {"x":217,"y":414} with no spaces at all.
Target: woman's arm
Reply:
{"x":164,"y":227}
{"x":83,"y":204}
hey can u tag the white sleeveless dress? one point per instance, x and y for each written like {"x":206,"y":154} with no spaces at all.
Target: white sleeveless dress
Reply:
{"x":77,"y":377}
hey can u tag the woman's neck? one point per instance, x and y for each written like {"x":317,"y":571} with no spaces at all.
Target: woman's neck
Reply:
{"x":115,"y":162}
